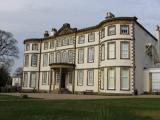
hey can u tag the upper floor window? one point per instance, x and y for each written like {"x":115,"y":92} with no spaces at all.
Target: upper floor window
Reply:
{"x":111,"y":78}
{"x":111,"y":50}
{"x":81,"y":56}
{"x":91,"y":54}
{"x":71,"y":41}
{"x":26,"y":63}
{"x":111,"y":30}
{"x":34,"y":60}
{"x":102,"y":52}
{"x":124,"y":78}
{"x":124,"y":29}
{"x":35,"y":46}
{"x":71,"y":56}
{"x":58,"y":57}
{"x":33,"y":78}
{"x":45,"y":45}
{"x":102,"y":33}
{"x":91,"y":37}
{"x":59,"y":42}
{"x":65,"y":56}
{"x":81,"y":39}
{"x":125,"y":49}
{"x":45,"y":59}
{"x":65,"y":41}
{"x":52,"y":44}
{"x":27,"y":47}
{"x":51,"y":58}
{"x":80,"y":74}
{"x":90,"y":77}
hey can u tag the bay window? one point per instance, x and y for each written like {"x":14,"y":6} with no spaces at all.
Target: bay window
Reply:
{"x":33,"y":79}
{"x":102,"y":52}
{"x":125,"y":50}
{"x":111,"y":30}
{"x":111,"y":78}
{"x":125,"y":78}
{"x":124,"y":29}
{"x":91,"y":37}
{"x":34,"y":60}
{"x":111,"y":50}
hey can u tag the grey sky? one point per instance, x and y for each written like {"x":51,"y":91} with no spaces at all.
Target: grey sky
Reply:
{"x":30,"y":18}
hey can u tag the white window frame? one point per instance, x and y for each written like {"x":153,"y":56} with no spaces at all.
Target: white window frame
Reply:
{"x":51,"y":57}
{"x":33,"y":82}
{"x":52,"y":44}
{"x":124,"y":29}
{"x":112,"y":30}
{"x":125,"y":51}
{"x":58,"y":57}
{"x":102,"y":52}
{"x":90,"y":55}
{"x":27,"y":47}
{"x":111,"y":51}
{"x":26,"y":61}
{"x":81,"y":39}
{"x":44,"y":78}
{"x":90,"y":77}
{"x":35,"y":46}
{"x":111,"y":78}
{"x":34,"y":60}
{"x":81,"y":56}
{"x":125,"y":78}
{"x":91,"y":37}
{"x":65,"y":57}
{"x":25,"y":79}
{"x":45,"y":45}
{"x":80,"y":76}
{"x":45,"y":59}
{"x":102,"y":79}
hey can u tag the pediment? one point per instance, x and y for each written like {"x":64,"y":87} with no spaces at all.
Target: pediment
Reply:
{"x":65,"y":29}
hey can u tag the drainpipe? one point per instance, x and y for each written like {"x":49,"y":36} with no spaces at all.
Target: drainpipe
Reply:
{"x":39,"y":70}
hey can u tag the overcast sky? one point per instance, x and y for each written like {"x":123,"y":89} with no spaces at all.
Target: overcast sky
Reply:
{"x":30,"y":18}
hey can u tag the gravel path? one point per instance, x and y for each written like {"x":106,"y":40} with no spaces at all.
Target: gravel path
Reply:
{"x":51,"y":96}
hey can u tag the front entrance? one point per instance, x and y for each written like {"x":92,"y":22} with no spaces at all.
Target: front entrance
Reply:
{"x":63,"y":80}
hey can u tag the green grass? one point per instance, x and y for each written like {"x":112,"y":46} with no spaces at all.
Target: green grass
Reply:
{"x":16,"y":108}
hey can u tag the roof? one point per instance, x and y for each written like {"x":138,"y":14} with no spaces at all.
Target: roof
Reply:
{"x":66,"y":29}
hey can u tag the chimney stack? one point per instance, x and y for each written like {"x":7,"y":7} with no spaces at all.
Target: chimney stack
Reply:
{"x":46,"y":34}
{"x":53,"y":31}
{"x":110,"y":15}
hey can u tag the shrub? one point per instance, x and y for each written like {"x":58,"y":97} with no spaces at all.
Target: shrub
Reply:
{"x":25,"y":96}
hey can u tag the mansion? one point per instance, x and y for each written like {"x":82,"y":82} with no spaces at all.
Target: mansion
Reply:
{"x":111,"y":57}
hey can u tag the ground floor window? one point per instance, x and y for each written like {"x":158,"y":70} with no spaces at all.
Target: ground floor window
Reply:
{"x":57,"y":77}
{"x":44,"y":78}
{"x":25,"y":81}
{"x":70,"y":77}
{"x":90,"y":77}
{"x":33,"y":79}
{"x":124,"y":78}
{"x":102,"y":79}
{"x":80,"y":74}
{"x":111,"y":78}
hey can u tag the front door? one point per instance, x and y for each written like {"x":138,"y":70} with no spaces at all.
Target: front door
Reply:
{"x":63,"y":80}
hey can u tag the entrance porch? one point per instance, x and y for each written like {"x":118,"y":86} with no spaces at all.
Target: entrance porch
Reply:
{"x":62,"y":77}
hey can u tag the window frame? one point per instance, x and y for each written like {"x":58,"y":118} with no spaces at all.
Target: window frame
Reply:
{"x":89,"y":37}
{"x":102,"y":86}
{"x":46,"y":77}
{"x":31,"y":73}
{"x":88,"y":56}
{"x":35,"y":46}
{"x":33,"y":56}
{"x":109,"y":27}
{"x":26,"y":65}
{"x":111,"y":68}
{"x":109,"y":51}
{"x":88,"y":77}
{"x":79,"y":56}
{"x":27,"y":48}
{"x":121,"y":30}
{"x":25,"y":80}
{"x":78,"y":71}
{"x":44,"y":58}
{"x":129,"y":78}
{"x":79,"y":39}
{"x":102,"y":33}
{"x":45,"y":45}
{"x":102,"y":52}
{"x":124,"y":42}
{"x":52,"y":44}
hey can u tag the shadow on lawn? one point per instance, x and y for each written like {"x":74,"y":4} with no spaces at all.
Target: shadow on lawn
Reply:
{"x":112,"y":113}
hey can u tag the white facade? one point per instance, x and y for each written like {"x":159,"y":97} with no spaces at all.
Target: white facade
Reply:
{"x":108,"y":58}
{"x":16,"y":81}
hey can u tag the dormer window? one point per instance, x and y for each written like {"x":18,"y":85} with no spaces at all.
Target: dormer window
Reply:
{"x":124,"y":29}
{"x":111,"y":30}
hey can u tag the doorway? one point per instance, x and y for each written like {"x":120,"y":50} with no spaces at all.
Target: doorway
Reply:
{"x":63,"y":80}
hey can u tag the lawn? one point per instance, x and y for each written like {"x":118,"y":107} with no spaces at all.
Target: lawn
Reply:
{"x":15,"y":108}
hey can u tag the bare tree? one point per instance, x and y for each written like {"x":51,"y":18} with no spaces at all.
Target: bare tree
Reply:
{"x":19,"y":72}
{"x":8,"y":48}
